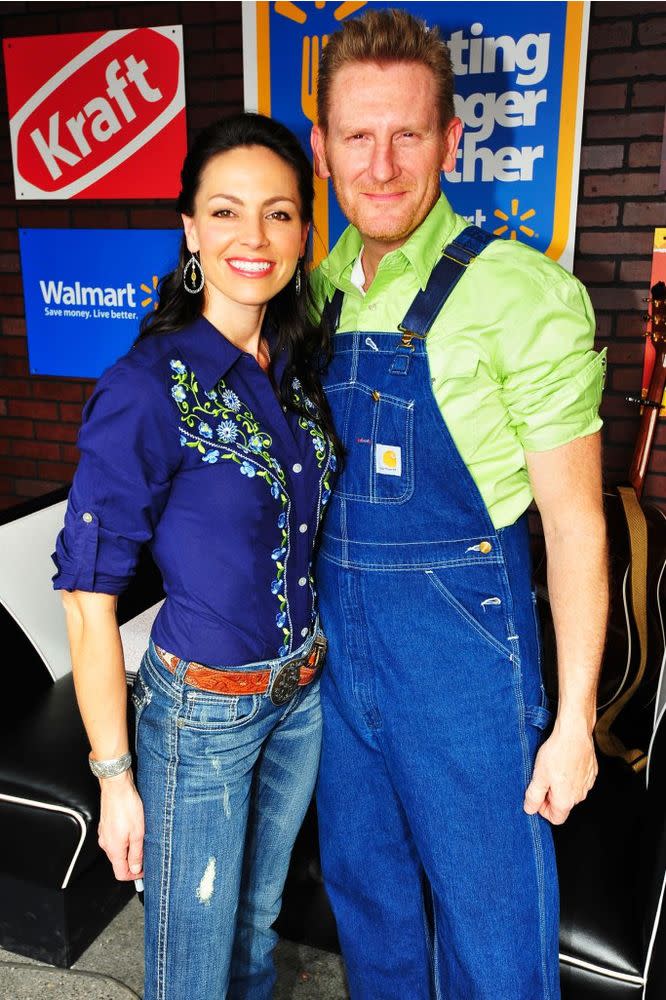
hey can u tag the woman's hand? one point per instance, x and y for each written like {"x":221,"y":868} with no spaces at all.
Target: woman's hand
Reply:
{"x":121,"y":828}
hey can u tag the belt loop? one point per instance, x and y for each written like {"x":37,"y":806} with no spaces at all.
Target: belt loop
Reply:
{"x":181,"y":670}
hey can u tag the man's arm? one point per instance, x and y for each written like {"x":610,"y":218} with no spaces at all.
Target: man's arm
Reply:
{"x":566,"y":483}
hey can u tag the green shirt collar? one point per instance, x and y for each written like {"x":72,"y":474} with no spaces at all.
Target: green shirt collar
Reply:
{"x":421,"y":251}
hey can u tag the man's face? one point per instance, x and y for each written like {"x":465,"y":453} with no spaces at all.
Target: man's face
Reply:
{"x":385,"y":147}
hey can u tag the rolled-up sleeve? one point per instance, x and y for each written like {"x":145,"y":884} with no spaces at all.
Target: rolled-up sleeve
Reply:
{"x":121,"y":484}
{"x":551,"y":377}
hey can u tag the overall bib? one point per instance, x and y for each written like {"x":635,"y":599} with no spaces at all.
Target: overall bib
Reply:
{"x":433,"y":704}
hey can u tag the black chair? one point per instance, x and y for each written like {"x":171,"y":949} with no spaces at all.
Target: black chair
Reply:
{"x":57,"y":890}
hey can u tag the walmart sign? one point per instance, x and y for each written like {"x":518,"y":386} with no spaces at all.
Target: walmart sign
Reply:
{"x":519,"y":77}
{"x":86,"y":291}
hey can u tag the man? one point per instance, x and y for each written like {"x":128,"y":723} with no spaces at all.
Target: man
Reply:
{"x":458,"y":406}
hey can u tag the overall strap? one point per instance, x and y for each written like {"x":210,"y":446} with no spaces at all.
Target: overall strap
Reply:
{"x":331,"y":311}
{"x":448,"y":271}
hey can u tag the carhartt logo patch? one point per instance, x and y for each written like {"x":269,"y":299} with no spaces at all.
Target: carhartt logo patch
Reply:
{"x":388,"y":460}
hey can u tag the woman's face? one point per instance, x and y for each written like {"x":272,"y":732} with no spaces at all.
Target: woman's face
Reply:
{"x":247,"y":228}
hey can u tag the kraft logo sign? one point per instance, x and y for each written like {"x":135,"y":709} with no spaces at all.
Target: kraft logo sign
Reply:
{"x":519,"y":76}
{"x":86,"y":291}
{"x":97,"y":115}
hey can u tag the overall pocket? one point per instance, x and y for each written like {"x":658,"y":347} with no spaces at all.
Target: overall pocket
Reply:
{"x":377,"y":431}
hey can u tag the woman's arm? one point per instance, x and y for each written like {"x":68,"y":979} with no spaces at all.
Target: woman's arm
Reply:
{"x":101,"y":691}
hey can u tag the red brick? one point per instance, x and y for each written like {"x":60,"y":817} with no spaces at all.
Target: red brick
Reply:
{"x":10,"y":262}
{"x":645,"y":154}
{"x":616,"y":243}
{"x":13,"y":326}
{"x":134,"y":15}
{"x":636,"y":272}
{"x":626,"y":65}
{"x":36,"y":487}
{"x":8,"y":239}
{"x":644,"y":213}
{"x":621,"y":432}
{"x":7,"y":501}
{"x":652,"y":32}
{"x":621,"y":299}
{"x":57,"y":432}
{"x":623,"y":185}
{"x":648,"y":95}
{"x":70,"y":453}
{"x":88,"y":20}
{"x":632,"y":325}
{"x":6,"y":446}
{"x":657,"y":463}
{"x":610,"y":35}
{"x":46,"y":216}
{"x":7,"y":218}
{"x":201,"y":12}
{"x":14,"y":387}
{"x":597,"y":215}
{"x":33,"y":409}
{"x":3,"y":407}
{"x":36,"y":449}
{"x":57,"y":389}
{"x":57,"y":470}
{"x":625,"y":352}
{"x":10,"y":284}
{"x":626,"y":379}
{"x":12,"y":305}
{"x":229,"y":36}
{"x":601,"y":157}
{"x":36,"y":24}
{"x":603,"y":323}
{"x":638,"y":124}
{"x":596,"y":272}
{"x":154,"y":218}
{"x":615,"y":8}
{"x":15,"y":347}
{"x":18,"y":467}
{"x":197,"y":37}
{"x":655,"y":489}
{"x":17,"y":367}
{"x":6,"y":484}
{"x":71,"y":412}
{"x":18,"y":428}
{"x":99,"y":217}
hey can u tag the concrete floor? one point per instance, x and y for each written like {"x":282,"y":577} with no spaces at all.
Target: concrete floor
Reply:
{"x":116,"y":959}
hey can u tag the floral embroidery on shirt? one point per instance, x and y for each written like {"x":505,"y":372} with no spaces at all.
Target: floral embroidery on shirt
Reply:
{"x":219,"y":426}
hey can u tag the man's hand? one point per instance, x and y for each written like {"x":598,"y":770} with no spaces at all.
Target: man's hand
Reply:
{"x":121,"y":826}
{"x":564,"y":772}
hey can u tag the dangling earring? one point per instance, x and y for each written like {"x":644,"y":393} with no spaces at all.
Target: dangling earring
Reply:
{"x":193,"y":275}
{"x":297,"y":280}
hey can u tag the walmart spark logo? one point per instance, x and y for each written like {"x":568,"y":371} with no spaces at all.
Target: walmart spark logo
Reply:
{"x":150,"y":292}
{"x":514,"y":220}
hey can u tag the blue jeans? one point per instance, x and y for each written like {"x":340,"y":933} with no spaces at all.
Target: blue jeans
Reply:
{"x":225,"y":783}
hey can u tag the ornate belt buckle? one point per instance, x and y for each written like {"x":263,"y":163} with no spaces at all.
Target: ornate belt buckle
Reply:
{"x":285,"y":683}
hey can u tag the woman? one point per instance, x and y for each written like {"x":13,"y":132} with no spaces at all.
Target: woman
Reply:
{"x":211,"y":441}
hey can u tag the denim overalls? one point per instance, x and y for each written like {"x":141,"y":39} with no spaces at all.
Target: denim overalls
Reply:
{"x":442,"y":886}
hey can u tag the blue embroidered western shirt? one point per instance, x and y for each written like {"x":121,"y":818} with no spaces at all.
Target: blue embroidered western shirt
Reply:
{"x":185,"y":446}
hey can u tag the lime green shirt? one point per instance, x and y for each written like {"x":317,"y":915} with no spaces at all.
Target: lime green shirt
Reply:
{"x":510,"y":354}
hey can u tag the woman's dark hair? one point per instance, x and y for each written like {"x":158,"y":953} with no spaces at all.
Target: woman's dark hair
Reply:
{"x":308,"y":344}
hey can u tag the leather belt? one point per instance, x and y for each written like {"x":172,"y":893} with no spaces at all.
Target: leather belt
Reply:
{"x":294,"y":673}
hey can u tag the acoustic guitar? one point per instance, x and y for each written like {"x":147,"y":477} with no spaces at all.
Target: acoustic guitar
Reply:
{"x":636,"y":638}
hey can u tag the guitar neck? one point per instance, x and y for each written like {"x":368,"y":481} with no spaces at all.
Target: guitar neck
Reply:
{"x":655,"y":393}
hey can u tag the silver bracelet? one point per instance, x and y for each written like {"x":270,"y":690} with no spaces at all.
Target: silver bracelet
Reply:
{"x":110,"y":768}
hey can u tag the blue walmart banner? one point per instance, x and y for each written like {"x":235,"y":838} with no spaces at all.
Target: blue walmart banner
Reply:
{"x":519,"y":75}
{"x":86,"y":291}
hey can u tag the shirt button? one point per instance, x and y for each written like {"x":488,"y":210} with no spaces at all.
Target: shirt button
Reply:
{"x":302,"y":581}
{"x":87,"y":517}
{"x":302,"y":528}
{"x":297,"y":468}
{"x":304,"y":632}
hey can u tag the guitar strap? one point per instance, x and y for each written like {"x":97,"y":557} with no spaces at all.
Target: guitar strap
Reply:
{"x":608,"y":742}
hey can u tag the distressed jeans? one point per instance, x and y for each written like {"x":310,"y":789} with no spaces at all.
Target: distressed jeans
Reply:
{"x":225,"y":782}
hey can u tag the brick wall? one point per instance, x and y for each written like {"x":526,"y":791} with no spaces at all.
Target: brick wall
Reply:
{"x":39,"y":417}
{"x":620,"y":204}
